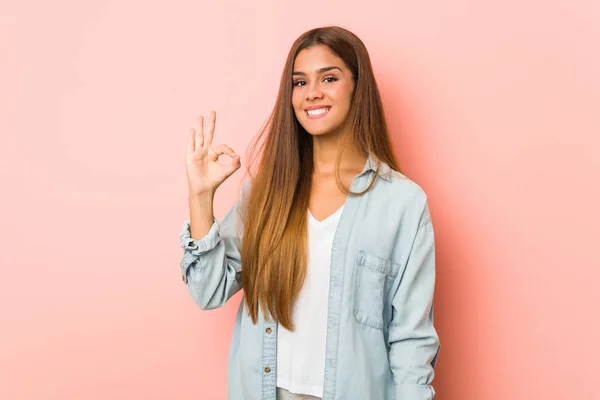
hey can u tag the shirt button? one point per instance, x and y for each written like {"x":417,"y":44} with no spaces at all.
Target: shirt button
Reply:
{"x":183,"y":277}
{"x":267,"y":370}
{"x":268,"y":330}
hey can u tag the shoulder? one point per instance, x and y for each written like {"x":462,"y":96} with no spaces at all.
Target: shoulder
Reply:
{"x":396,"y":183}
{"x":399,"y":193}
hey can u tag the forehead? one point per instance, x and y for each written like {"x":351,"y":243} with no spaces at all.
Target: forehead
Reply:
{"x":315,"y":57}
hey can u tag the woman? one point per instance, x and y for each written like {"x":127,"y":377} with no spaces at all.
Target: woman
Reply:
{"x":333,"y":246}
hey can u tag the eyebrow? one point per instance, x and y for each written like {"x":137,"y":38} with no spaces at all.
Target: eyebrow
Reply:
{"x":320,"y":70}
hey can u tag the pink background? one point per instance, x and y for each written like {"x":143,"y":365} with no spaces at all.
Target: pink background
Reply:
{"x":494,"y":108}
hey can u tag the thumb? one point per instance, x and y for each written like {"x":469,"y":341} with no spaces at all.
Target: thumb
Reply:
{"x":234,"y":165}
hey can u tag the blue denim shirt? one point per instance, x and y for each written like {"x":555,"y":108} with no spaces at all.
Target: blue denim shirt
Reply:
{"x":380,"y":341}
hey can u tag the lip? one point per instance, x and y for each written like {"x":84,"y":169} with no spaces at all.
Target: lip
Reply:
{"x":307,"y":109}
{"x":315,"y":107}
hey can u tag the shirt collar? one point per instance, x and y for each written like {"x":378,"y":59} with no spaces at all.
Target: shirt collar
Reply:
{"x":385,"y":171}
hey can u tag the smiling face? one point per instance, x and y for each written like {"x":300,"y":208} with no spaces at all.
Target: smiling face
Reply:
{"x":322,"y":91}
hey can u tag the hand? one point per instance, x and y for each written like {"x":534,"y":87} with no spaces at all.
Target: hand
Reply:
{"x":204,"y":173}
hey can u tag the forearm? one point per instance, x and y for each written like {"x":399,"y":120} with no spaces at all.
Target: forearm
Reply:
{"x":201,"y":214}
{"x":211,"y":263}
{"x":412,"y":357}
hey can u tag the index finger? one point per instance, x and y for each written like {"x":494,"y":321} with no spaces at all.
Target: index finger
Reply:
{"x":210,"y":129}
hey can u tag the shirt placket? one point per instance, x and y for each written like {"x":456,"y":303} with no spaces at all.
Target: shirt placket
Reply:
{"x":269,"y":359}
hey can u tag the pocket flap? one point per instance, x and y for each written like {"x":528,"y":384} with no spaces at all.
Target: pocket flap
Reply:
{"x":378,"y":264}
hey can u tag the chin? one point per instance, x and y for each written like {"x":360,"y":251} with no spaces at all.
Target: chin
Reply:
{"x":319,"y":130}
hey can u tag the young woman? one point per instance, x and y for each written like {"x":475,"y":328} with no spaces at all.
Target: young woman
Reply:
{"x":333,"y":247}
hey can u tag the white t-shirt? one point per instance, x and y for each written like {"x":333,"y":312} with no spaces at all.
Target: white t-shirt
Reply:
{"x":301,"y":354}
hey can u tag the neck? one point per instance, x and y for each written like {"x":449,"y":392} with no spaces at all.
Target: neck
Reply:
{"x":325,"y":152}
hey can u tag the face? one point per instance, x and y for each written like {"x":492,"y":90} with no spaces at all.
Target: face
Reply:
{"x":322,"y":90}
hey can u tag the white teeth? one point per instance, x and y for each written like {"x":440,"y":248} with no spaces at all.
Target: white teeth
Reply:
{"x":318,"y":111}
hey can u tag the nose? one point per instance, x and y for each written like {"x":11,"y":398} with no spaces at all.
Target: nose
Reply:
{"x":314,"y":91}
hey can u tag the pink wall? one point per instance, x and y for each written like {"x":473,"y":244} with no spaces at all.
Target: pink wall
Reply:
{"x":494,"y":108}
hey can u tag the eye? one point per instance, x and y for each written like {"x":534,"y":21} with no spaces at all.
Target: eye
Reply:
{"x":299,"y":83}
{"x":330,"y":79}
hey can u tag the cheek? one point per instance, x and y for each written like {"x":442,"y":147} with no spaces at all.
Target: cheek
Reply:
{"x":342,"y":95}
{"x":296,"y":99}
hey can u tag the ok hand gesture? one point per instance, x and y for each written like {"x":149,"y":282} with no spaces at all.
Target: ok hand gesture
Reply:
{"x":204,"y":173}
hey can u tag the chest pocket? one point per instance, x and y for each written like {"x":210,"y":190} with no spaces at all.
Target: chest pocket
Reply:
{"x":372,"y":283}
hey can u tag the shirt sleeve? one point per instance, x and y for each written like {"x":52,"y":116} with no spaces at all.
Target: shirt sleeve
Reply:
{"x":414,"y":343}
{"x":211,"y":266}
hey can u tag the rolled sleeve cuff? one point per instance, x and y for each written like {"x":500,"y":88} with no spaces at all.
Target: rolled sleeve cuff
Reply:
{"x":194,"y":248}
{"x":414,"y":392}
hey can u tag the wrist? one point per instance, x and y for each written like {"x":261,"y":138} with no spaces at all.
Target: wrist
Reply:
{"x":201,"y":197}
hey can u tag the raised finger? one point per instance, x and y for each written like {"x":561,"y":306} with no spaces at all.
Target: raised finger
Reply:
{"x":191,"y":145}
{"x":199,"y":132}
{"x":210,"y":128}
